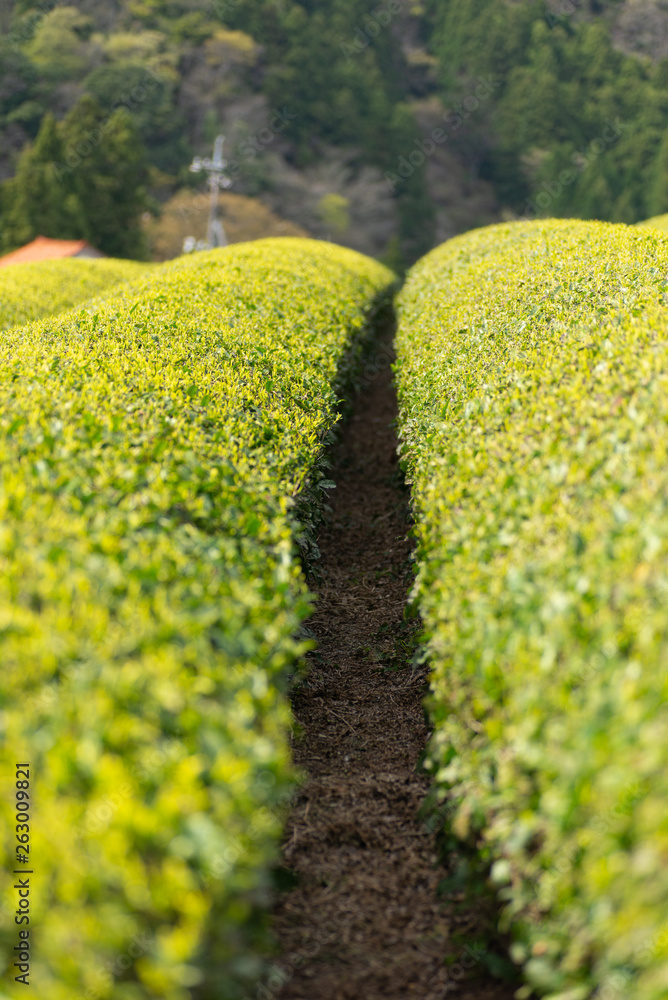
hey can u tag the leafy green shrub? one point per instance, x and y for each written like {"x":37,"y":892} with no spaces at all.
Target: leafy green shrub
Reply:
{"x":152,"y":448}
{"x":533,"y":382}
{"x":30,"y":291}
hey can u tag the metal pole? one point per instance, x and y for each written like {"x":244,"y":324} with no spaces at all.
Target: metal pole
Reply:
{"x":215,"y":169}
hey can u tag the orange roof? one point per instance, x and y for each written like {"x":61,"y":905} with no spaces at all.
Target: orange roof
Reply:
{"x":44,"y":248}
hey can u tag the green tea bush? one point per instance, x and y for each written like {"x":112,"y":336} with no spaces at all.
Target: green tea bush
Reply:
{"x":152,"y":450}
{"x":30,"y":291}
{"x":533,"y":383}
{"x":656,"y":222}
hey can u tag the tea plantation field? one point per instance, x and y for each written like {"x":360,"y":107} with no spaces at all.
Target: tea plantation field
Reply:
{"x":163,"y":471}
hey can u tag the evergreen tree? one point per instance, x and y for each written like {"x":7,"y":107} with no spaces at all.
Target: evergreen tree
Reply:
{"x":37,"y":201}
{"x":565,"y":96}
{"x":83,"y":178}
{"x":107,"y":174}
{"x":156,"y":118}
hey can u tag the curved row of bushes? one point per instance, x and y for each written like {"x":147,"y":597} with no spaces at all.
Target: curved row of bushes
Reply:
{"x":30,"y":291}
{"x":151,"y":452}
{"x":533,"y":383}
{"x":659,"y":222}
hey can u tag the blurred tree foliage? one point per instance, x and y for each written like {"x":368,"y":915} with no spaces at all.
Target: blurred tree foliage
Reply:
{"x":342,"y":72}
{"x":84,"y":178}
{"x":578,"y":126}
{"x":168,"y":63}
{"x":573,"y":127}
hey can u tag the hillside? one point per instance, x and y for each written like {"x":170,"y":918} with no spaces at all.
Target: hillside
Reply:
{"x":575,"y":125}
{"x":386,"y":129}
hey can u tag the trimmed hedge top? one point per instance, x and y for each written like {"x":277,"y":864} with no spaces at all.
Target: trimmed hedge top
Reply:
{"x":30,"y":291}
{"x":151,"y":450}
{"x":659,"y":222}
{"x":533,"y":382}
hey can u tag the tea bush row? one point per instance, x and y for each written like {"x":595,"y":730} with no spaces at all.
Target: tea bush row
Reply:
{"x":659,"y":222}
{"x":533,"y":384}
{"x":30,"y":291}
{"x":152,"y":450}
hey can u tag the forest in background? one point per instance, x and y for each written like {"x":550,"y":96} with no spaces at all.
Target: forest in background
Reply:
{"x":385,"y":127}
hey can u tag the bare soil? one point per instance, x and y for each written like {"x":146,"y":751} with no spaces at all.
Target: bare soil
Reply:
{"x":366,"y":921}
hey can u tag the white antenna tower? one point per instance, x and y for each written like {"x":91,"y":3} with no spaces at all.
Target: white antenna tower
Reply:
{"x":218,"y":179}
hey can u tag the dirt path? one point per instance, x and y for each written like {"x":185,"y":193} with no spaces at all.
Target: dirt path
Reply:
{"x":365,"y":921}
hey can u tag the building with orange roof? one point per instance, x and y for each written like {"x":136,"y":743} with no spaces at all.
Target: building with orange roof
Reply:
{"x":44,"y":248}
